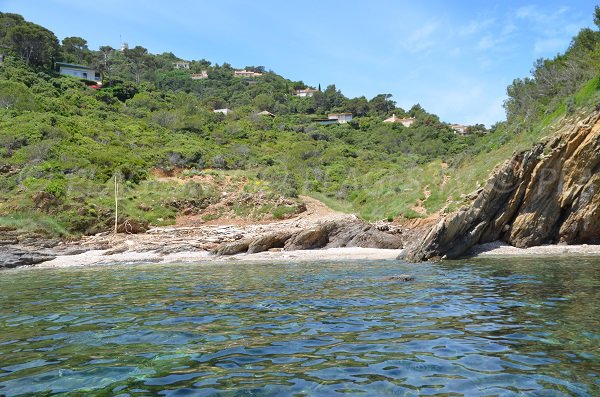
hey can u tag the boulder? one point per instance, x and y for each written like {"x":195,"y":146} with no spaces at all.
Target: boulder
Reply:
{"x":344,"y":233}
{"x":269,"y":241}
{"x":400,"y":277}
{"x":13,"y":257}
{"x":316,"y":237}
{"x":132,"y":226}
{"x":332,"y":234}
{"x":235,"y":247}
{"x":45,"y":201}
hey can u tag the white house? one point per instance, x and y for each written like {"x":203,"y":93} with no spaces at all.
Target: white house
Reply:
{"x":181,"y":65}
{"x":340,"y":117}
{"x":199,"y":76}
{"x":308,"y":92}
{"x":81,"y":71}
{"x":223,"y":111}
{"x":245,"y":73}
{"x":460,"y":129}
{"x":407,"y":122}
{"x":392,"y":119}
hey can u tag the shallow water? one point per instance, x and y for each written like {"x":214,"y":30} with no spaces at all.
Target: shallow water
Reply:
{"x":502,"y":327}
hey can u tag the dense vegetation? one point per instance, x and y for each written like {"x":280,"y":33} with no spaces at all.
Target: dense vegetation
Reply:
{"x":61,"y":142}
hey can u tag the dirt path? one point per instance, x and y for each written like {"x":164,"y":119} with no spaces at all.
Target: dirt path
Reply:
{"x":316,"y":208}
{"x":315,"y":211}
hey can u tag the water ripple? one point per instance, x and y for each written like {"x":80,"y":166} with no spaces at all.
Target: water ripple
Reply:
{"x":520,"y":327}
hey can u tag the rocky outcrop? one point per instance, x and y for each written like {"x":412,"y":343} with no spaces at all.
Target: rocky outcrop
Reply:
{"x":332,"y":234}
{"x":235,"y":247}
{"x":550,"y":194}
{"x":13,"y":257}
{"x":23,"y":249}
{"x":269,"y":241}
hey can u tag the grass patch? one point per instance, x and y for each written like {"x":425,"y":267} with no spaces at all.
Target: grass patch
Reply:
{"x":32,"y":222}
{"x":336,"y":205}
{"x":283,"y":212}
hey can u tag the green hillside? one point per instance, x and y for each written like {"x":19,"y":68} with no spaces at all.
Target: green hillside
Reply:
{"x":62,"y":140}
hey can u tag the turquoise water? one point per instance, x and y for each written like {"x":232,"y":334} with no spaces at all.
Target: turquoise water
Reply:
{"x":490,"y":328}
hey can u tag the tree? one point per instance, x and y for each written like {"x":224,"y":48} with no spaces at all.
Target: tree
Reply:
{"x":138,"y":57}
{"x":34,"y":44}
{"x":264,"y":102}
{"x":382,"y":105}
{"x":357,"y":106}
{"x":75,"y":49}
{"x":329,"y":99}
{"x":106,"y":52}
{"x":15,"y":95}
{"x":7,"y":22}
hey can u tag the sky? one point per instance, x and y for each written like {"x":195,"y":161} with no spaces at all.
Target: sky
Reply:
{"x":453,"y":58}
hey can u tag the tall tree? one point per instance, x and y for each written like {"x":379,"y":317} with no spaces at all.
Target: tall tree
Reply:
{"x":382,"y":105}
{"x":106,"y":53}
{"x":75,"y":49}
{"x":35,"y":45}
{"x":138,"y":57}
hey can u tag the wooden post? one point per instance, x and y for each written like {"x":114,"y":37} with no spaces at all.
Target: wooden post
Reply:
{"x":116,"y":204}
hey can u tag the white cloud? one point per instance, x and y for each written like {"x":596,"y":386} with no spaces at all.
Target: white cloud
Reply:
{"x":526,"y":12}
{"x":475,"y":26}
{"x":486,"y":42}
{"x":422,"y":38}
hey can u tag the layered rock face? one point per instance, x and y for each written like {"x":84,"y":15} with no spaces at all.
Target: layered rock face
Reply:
{"x":550,"y":194}
{"x":331,"y":234}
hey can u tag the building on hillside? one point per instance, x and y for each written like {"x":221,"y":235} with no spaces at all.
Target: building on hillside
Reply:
{"x":1,"y":58}
{"x":460,"y":129}
{"x":324,"y":121}
{"x":265,"y":113}
{"x":393,"y":119}
{"x":224,"y":111}
{"x":199,"y":76}
{"x":81,"y":71}
{"x":181,"y":65}
{"x":307,"y":92}
{"x":245,"y":73}
{"x":124,"y":46}
{"x":340,"y":117}
{"x":407,"y":121}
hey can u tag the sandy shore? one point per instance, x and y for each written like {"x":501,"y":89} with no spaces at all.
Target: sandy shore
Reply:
{"x":500,"y":249}
{"x":99,"y":257}
{"x":495,"y":249}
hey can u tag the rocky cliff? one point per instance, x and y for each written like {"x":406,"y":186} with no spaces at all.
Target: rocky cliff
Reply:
{"x":550,"y":194}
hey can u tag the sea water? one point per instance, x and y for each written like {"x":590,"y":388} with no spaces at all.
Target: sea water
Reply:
{"x":494,"y":327}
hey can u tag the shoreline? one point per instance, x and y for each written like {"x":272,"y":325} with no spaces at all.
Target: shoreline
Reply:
{"x":98,"y":257}
{"x":488,"y":250}
{"x":498,"y":249}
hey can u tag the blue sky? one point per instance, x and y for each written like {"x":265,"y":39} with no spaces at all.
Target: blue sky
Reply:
{"x":454,"y":58}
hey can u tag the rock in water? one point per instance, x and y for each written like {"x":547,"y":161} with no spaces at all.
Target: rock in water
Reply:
{"x":550,"y":194}
{"x":400,"y":277}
